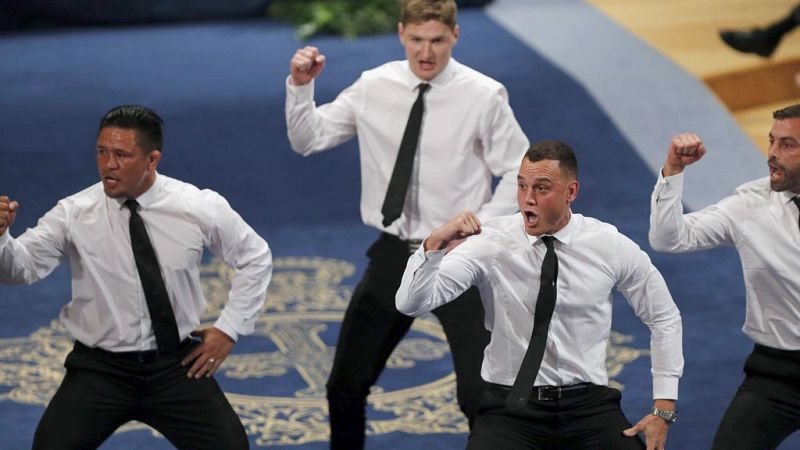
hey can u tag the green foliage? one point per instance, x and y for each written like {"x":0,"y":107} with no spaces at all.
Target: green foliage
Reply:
{"x":348,"y":18}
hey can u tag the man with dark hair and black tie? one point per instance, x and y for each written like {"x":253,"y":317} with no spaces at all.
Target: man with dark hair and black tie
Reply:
{"x":761,"y":220}
{"x":432,"y":133}
{"x":546,"y":276}
{"x":134,"y":242}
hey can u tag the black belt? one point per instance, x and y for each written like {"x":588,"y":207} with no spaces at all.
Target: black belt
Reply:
{"x":551,"y":392}
{"x":410,"y":245}
{"x":793,"y":355}
{"x":145,"y":356}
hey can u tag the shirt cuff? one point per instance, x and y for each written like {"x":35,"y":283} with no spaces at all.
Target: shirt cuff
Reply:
{"x":300,"y":93}
{"x":672,"y":180}
{"x":666,"y":388}
{"x":430,"y":255}
{"x":227,"y":325}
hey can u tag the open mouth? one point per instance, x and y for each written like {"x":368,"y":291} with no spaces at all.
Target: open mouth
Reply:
{"x":427,"y":65}
{"x":531,"y":218}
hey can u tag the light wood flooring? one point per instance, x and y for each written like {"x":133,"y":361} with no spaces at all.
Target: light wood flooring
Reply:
{"x":687,"y":32}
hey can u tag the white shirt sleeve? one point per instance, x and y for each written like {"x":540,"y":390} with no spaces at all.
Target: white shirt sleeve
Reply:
{"x":233,"y":240}
{"x":646,"y":291}
{"x":312,"y":129}
{"x":36,"y":252}
{"x":674,"y":232}
{"x":431,"y":280}
{"x":504,"y":145}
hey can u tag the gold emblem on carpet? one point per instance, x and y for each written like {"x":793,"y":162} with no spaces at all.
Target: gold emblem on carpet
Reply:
{"x":294,"y":342}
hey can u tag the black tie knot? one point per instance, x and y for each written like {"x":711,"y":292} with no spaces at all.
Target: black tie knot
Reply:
{"x":548,"y":241}
{"x":132,"y":204}
{"x":422,"y":88}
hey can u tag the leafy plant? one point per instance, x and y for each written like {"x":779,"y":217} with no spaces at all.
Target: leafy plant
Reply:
{"x":348,"y":18}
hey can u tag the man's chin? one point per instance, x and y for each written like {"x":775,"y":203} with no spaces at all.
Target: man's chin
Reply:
{"x":112,"y":194}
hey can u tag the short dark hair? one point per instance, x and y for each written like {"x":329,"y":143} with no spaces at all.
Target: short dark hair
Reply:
{"x":147,"y":124}
{"x":556,"y":151}
{"x":790,"y":112}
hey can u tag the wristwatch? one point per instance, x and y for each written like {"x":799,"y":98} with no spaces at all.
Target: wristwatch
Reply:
{"x":670,"y":415}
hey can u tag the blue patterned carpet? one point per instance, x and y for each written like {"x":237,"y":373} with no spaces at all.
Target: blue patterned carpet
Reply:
{"x":219,"y":87}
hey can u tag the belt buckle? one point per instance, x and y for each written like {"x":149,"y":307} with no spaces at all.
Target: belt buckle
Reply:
{"x":548,"y":393}
{"x":413,"y":246}
{"x":148,"y":356}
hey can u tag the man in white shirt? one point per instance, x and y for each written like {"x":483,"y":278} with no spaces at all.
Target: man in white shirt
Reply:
{"x":567,"y":402}
{"x":134,"y":242}
{"x":761,"y":220}
{"x":466,"y":133}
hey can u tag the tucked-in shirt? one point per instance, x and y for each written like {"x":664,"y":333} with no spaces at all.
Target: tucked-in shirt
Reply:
{"x":505,"y":264}
{"x":762,"y":225}
{"x":108,"y":307}
{"x":469,"y":134}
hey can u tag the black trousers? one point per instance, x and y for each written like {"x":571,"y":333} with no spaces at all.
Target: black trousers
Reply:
{"x":590,"y":420}
{"x":372,"y":328}
{"x":101,"y":391}
{"x":766,"y":408}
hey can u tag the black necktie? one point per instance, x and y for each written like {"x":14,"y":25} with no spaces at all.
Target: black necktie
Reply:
{"x":401,"y":175}
{"x":545,"y":304}
{"x":796,"y":200}
{"x":155,"y":291}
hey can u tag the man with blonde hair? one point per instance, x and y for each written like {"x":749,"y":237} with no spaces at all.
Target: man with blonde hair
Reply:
{"x":460,"y":133}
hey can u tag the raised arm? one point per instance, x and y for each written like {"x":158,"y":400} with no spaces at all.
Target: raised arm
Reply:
{"x":311,"y":128}
{"x":35,"y":253}
{"x":430,"y":282}
{"x":670,"y":229}
{"x":8,"y":212}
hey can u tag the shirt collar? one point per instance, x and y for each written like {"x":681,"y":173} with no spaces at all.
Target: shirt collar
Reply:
{"x":449,"y":72}
{"x":564,"y":235}
{"x":787,"y":196}
{"x":147,"y":198}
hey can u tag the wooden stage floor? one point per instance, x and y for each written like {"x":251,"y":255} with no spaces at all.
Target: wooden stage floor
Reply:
{"x":687,"y":32}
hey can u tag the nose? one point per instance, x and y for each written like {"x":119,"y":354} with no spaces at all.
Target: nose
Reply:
{"x":772,"y":151}
{"x":426,"y":50}
{"x":112,"y":162}
{"x":530,"y":197}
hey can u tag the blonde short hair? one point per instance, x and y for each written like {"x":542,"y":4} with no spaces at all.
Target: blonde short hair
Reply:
{"x":419,"y":11}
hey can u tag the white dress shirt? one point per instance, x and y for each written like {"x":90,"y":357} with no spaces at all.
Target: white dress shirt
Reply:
{"x":108,"y":307}
{"x":762,"y":225}
{"x":468,"y":134}
{"x":505,"y":264}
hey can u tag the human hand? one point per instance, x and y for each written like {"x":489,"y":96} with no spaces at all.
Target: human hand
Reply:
{"x":684,"y":149}
{"x":208,"y":356}
{"x":8,"y":212}
{"x":454,"y":232}
{"x":305,"y":65}
{"x":654,"y":428}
